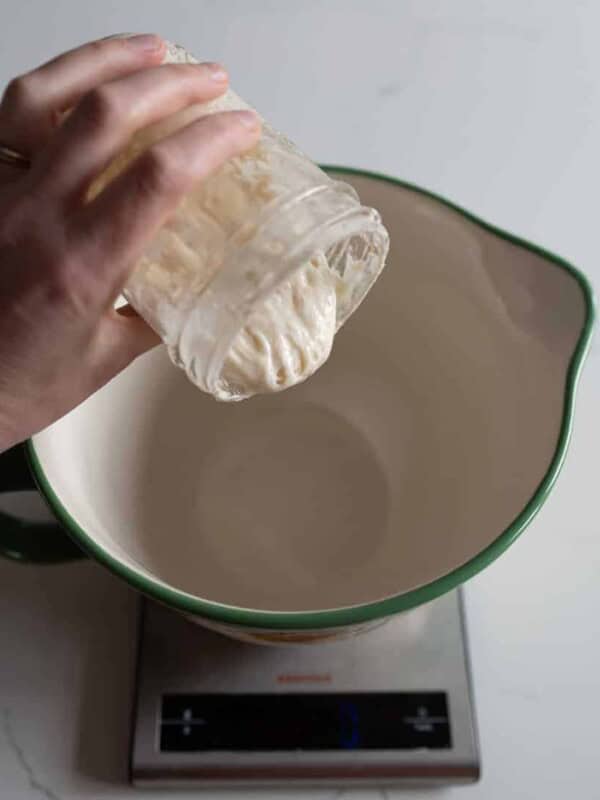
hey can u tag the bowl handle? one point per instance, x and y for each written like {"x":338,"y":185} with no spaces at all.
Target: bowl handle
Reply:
{"x":30,"y":542}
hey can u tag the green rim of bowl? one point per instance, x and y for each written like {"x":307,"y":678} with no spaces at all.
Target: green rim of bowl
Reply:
{"x":352,"y":615}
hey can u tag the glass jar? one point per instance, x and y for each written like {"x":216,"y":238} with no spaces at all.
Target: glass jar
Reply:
{"x":238,"y":237}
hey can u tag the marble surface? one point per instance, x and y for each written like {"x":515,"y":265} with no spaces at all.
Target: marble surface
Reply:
{"x":494,"y":105}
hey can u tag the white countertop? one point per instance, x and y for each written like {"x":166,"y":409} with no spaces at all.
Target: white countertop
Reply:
{"x":494,"y":105}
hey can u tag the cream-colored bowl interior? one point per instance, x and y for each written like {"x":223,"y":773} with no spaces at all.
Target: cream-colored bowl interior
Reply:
{"x":410,"y":451}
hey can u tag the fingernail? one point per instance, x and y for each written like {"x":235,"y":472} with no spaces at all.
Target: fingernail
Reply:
{"x":249,"y":119}
{"x":146,"y":41}
{"x":216,"y":72}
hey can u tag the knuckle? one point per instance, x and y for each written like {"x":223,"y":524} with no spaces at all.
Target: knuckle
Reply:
{"x":19,"y":93}
{"x":102,"y":46}
{"x":178,"y":71}
{"x":161,"y":172}
{"x":106,"y":48}
{"x":108,"y":45}
{"x":226,"y":123}
{"x":100,"y":107}
{"x":228,"y":129}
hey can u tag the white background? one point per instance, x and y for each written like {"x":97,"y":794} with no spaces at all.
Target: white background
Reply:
{"x":495,"y":105}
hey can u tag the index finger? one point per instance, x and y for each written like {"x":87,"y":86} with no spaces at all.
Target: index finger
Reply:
{"x":32,"y":102}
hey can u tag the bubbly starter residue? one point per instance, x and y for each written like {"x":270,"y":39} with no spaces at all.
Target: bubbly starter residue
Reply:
{"x":289,"y":336}
{"x":286,"y":339}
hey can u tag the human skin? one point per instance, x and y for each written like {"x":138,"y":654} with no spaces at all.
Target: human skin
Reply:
{"x":63,"y":261}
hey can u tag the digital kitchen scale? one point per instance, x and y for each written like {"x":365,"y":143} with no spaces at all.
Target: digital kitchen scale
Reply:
{"x":392,"y":706}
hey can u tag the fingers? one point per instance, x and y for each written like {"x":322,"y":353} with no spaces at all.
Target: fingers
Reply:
{"x":122,"y":219}
{"x":106,"y":118}
{"x":120,"y":339}
{"x":28,"y":111}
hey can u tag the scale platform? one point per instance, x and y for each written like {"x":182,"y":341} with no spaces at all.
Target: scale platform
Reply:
{"x":390,"y":707}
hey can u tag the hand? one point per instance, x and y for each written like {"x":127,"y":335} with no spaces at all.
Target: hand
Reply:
{"x":64,"y":261}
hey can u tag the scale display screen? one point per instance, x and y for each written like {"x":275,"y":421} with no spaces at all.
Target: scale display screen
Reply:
{"x":323,"y":721}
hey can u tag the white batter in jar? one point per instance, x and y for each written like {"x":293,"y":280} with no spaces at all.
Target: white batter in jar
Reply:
{"x":249,"y":281}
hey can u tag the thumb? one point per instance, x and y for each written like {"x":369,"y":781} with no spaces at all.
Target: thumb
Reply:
{"x":123,"y":336}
